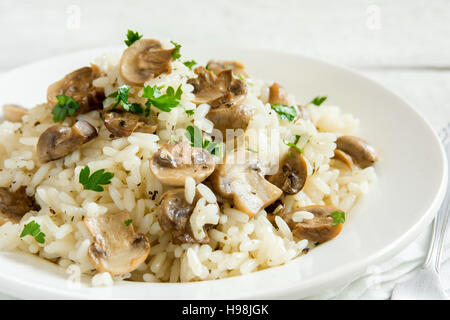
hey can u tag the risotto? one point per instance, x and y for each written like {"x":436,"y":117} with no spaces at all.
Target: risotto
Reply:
{"x":145,"y":166}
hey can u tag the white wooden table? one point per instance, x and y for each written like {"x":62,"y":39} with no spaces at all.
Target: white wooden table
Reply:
{"x":403,"y":44}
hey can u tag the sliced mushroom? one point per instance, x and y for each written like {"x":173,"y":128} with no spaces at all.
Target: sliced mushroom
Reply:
{"x":292,"y":173}
{"x":14,"y":205}
{"x":144,"y":60}
{"x":318,"y":229}
{"x":123,"y":124}
{"x":14,"y":112}
{"x":236,"y":67}
{"x":172,"y":163}
{"x":361,"y":152}
{"x":116,"y":249}
{"x":78,"y":85}
{"x":277,"y":94}
{"x":235,"y":117}
{"x":244,"y":182}
{"x":58,"y":141}
{"x":174,"y":213}
{"x":217,"y":91}
{"x":343,"y":157}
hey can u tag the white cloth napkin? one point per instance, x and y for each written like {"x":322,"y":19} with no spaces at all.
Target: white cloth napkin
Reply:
{"x":378,"y":284}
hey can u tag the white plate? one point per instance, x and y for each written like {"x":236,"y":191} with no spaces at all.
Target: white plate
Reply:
{"x":412,"y":178}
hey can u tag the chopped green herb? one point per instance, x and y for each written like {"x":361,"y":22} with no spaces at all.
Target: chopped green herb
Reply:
{"x":176,"y":52}
{"x":190,"y":64}
{"x":65,"y":106}
{"x":128,"y":222}
{"x":318,"y":100}
{"x":164,"y":102}
{"x":121,"y":96}
{"x":251,"y":150}
{"x":286,"y":113}
{"x":93,"y":182}
{"x":189,"y":112}
{"x":132,"y":37}
{"x":207,"y":67}
{"x":194,"y":135}
{"x":294,"y":145}
{"x":33,"y":229}
{"x":338,"y":217}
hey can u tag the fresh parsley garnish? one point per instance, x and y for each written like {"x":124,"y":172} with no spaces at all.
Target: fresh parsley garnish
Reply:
{"x":93,"y":182}
{"x":190,"y":64}
{"x":33,"y":229}
{"x":176,"y":52}
{"x":164,"y":102}
{"x":132,"y":37}
{"x":189,"y":112}
{"x":65,"y":106}
{"x":318,"y":100}
{"x":121,"y":96}
{"x":294,"y":145}
{"x":128,"y":222}
{"x":338,"y":217}
{"x":194,"y":135}
{"x":251,"y":150}
{"x":286,"y":113}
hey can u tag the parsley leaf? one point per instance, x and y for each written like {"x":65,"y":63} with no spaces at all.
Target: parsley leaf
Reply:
{"x":132,"y":37}
{"x":176,"y":52}
{"x":318,"y":100}
{"x":65,"y":106}
{"x":121,"y":96}
{"x":93,"y":182}
{"x":33,"y":229}
{"x":286,"y":113}
{"x":164,"y":102}
{"x":189,"y":112}
{"x":251,"y":150}
{"x":128,"y":222}
{"x":338,"y":217}
{"x":294,"y":145}
{"x":190,"y":64}
{"x":194,"y":135}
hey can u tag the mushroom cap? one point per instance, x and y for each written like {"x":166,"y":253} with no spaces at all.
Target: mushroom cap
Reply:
{"x":362,"y":153}
{"x":14,"y":112}
{"x":144,"y":60}
{"x":123,"y":124}
{"x":277,"y":94}
{"x":174,"y":213}
{"x":14,"y":205}
{"x":172,"y":163}
{"x":292,"y":173}
{"x":343,"y":157}
{"x":235,"y":117}
{"x":78,"y":85}
{"x":116,"y":249}
{"x":58,"y":141}
{"x":318,"y":229}
{"x":217,"y":90}
{"x":236,"y":67}
{"x":244,"y":182}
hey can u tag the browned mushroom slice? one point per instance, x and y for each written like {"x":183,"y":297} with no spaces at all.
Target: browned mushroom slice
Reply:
{"x":172,"y":163}
{"x":318,"y":229}
{"x":361,"y":152}
{"x":343,"y":157}
{"x":116,"y":249}
{"x":14,"y":112}
{"x":123,"y":124}
{"x":14,"y":205}
{"x":235,"y":117}
{"x":144,"y":60}
{"x":174,"y":213}
{"x":220,"y":90}
{"x":277,"y":94}
{"x":236,"y":67}
{"x":243,"y":181}
{"x":292,"y":173}
{"x":78,"y":85}
{"x":58,"y":141}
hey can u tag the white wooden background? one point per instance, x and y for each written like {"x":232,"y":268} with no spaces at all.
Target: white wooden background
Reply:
{"x":404,"y":44}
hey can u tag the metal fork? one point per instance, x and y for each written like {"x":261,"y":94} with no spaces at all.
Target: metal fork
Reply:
{"x":426,"y":285}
